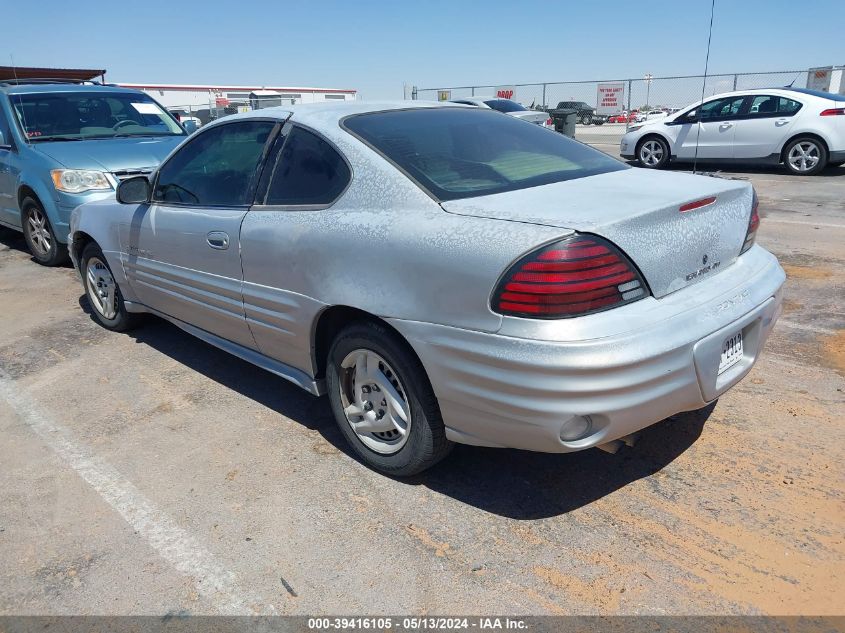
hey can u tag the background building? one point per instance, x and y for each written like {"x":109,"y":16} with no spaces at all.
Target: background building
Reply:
{"x":207,"y":102}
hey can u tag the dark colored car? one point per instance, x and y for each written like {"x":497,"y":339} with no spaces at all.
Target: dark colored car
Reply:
{"x":586,"y":112}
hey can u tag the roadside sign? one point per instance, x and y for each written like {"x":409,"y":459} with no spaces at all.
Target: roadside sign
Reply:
{"x":827,"y":79}
{"x":610,"y":98}
{"x":819,"y":78}
{"x":444,"y":95}
{"x":505,"y":92}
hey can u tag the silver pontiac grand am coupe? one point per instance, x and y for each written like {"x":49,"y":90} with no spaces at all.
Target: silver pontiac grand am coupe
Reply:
{"x":444,"y":273}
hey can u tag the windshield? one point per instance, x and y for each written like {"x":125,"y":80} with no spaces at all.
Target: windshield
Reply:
{"x":505,"y":105}
{"x":89,"y":115}
{"x":461,"y":152}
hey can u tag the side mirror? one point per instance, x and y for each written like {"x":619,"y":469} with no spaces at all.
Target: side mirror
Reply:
{"x":134,"y":190}
{"x":190,"y":126}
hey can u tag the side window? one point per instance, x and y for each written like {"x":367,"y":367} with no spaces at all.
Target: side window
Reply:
{"x":308,"y":171}
{"x":721,"y":108}
{"x":216,"y":168}
{"x":4,"y":128}
{"x":787,"y":107}
{"x":763,"y":106}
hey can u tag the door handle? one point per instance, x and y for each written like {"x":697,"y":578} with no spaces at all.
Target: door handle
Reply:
{"x":781,"y":122}
{"x":725,"y":126}
{"x":218,"y":240}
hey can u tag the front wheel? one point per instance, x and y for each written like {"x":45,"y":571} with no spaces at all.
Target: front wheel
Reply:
{"x":586,"y":119}
{"x":103,"y":292}
{"x":653,"y":152}
{"x":39,"y":235}
{"x":383,"y":402}
{"x":805,"y":156}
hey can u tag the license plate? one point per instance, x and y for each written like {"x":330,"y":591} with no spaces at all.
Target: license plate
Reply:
{"x":731,"y":352}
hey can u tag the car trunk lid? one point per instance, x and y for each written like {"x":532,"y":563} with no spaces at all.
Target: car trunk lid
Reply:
{"x":533,"y":116}
{"x":641,"y":212}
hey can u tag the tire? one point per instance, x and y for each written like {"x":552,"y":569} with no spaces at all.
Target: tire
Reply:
{"x":39,"y":235}
{"x":368,"y":352}
{"x":586,"y":119}
{"x":653,"y":152}
{"x":103,"y":293}
{"x":805,"y":156}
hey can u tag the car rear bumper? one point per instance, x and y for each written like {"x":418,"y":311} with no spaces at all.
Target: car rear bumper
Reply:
{"x":836,"y":157}
{"x":505,"y":391}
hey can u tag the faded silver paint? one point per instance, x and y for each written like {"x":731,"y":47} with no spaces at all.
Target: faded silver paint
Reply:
{"x":387,"y":248}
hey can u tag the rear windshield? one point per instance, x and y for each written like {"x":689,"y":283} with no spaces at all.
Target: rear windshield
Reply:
{"x":505,"y":105}
{"x":463,"y":152}
{"x":69,"y":116}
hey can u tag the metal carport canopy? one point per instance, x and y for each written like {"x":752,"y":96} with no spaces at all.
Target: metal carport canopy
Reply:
{"x":69,"y":74}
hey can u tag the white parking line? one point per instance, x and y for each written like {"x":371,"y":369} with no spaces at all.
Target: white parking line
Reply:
{"x":808,"y":223}
{"x":807,"y":328}
{"x":187,"y":555}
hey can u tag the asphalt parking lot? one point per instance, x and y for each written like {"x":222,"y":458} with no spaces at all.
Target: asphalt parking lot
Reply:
{"x":149,"y":473}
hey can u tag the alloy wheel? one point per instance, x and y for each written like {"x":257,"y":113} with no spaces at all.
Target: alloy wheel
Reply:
{"x":374,"y":402}
{"x":39,"y":231}
{"x":804,"y":156}
{"x":651,"y":153}
{"x":102,"y":289}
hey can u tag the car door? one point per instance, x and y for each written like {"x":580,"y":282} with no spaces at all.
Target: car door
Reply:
{"x":765,"y":125}
{"x":711,"y":128}
{"x":305,"y":175}
{"x":9,"y":170}
{"x":182,"y":249}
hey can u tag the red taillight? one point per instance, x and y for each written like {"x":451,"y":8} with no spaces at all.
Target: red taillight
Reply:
{"x":753,"y":225}
{"x":833,"y":112}
{"x":578,"y":275}
{"x":548,"y":122}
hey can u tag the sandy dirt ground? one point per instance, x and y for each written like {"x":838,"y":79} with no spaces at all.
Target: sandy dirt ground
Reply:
{"x":148,"y":473}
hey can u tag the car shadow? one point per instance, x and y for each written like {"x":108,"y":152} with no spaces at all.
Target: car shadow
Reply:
{"x":510,"y":483}
{"x":524,"y":485}
{"x":15,"y":241}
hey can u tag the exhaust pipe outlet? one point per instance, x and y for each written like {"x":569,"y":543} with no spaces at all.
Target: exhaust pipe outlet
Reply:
{"x":614,"y":445}
{"x":610,"y":447}
{"x":630,"y":440}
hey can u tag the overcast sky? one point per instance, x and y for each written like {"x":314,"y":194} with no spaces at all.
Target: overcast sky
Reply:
{"x":377,"y":46}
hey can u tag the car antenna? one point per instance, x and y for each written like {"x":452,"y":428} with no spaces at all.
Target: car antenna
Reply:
{"x":23,"y":111}
{"x":703,"y":85}
{"x":792,"y":82}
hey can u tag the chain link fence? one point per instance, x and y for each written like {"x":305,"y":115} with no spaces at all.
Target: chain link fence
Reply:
{"x":640,"y":95}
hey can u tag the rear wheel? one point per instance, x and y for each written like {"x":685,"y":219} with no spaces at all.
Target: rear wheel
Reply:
{"x":383,"y":402}
{"x":805,"y":156}
{"x":586,"y":119}
{"x":103,"y":292}
{"x":39,"y":235}
{"x":653,"y":152}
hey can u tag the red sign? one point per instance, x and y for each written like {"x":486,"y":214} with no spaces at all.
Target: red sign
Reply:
{"x":610,"y":98}
{"x":221,"y":102}
{"x":505,"y":92}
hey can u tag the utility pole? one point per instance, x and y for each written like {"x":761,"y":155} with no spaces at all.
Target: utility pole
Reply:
{"x":647,"y":80}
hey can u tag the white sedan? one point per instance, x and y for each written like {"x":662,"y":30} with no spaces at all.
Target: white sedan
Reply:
{"x":510,"y":107}
{"x":804,"y":129}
